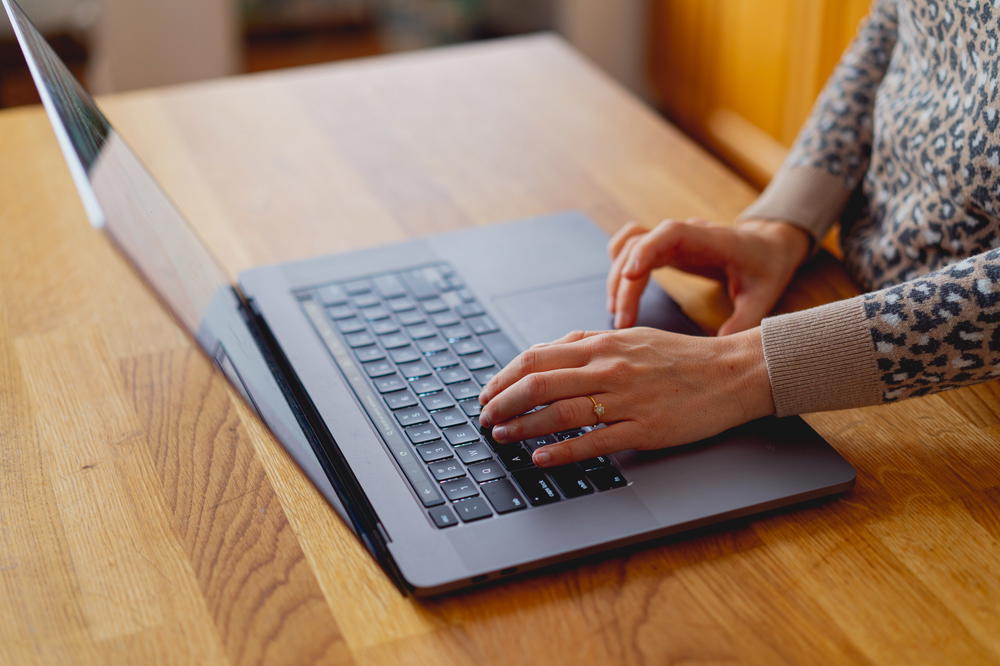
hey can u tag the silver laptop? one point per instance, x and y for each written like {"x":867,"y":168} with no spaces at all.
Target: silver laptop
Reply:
{"x":366,"y":366}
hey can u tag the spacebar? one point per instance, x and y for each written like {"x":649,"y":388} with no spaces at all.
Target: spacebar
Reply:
{"x":500,"y":346}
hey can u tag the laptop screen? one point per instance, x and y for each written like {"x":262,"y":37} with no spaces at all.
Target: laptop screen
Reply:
{"x":119,"y":194}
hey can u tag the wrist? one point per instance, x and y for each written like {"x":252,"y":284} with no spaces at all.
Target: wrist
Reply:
{"x":747,"y":383}
{"x":793,"y":242}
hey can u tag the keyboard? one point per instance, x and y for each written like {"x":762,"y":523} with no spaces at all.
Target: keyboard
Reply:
{"x":417,"y":347}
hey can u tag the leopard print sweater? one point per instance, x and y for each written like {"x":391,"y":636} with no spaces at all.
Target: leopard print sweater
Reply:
{"x":904,"y":147}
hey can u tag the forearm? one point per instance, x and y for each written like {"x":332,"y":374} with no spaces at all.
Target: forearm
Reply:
{"x":932,"y":333}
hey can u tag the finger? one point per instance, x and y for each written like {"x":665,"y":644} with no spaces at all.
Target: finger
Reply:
{"x":599,"y":442}
{"x":531,"y":361}
{"x":627,"y":301}
{"x":558,"y":416}
{"x":617,"y":241}
{"x":572,"y":336}
{"x":748,"y":310}
{"x":699,"y":248}
{"x":539,"y":388}
{"x":615,"y":273}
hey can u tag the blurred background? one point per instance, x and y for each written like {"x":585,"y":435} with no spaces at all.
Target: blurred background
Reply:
{"x":739,"y":76}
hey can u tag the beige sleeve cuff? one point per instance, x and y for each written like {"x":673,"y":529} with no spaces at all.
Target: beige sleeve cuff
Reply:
{"x":807,"y":197}
{"x":821,"y":359}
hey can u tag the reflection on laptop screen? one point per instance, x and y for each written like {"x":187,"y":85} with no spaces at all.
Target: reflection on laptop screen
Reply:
{"x":119,"y":194}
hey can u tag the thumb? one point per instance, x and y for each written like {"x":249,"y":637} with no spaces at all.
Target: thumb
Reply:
{"x":749,"y":307}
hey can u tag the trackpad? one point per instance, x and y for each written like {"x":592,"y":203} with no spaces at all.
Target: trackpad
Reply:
{"x":547,"y":313}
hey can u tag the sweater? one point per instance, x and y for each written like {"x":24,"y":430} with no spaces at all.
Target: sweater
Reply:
{"x":903,"y":147}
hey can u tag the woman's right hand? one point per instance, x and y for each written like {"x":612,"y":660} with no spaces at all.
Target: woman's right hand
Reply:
{"x":756,"y":260}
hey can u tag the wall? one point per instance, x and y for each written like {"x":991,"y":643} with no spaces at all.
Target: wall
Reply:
{"x":742,"y":75}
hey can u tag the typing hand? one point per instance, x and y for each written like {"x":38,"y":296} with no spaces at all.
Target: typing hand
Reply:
{"x":755,"y":259}
{"x":657,"y":389}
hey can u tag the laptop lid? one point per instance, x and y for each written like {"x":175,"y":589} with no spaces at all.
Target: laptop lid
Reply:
{"x":123,"y":200}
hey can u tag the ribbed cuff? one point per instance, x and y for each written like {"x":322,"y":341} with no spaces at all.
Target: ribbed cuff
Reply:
{"x":821,"y":359}
{"x":807,"y":197}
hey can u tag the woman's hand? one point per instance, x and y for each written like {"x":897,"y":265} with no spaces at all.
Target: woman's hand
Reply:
{"x":756,"y":260}
{"x":658,"y":389}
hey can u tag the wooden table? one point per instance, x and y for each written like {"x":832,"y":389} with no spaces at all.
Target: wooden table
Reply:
{"x":147,"y":517}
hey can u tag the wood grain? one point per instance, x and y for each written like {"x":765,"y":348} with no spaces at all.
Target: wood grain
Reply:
{"x":147,"y":517}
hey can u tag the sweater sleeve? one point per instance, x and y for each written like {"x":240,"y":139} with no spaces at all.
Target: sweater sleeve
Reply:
{"x":933,"y":333}
{"x":831,"y":153}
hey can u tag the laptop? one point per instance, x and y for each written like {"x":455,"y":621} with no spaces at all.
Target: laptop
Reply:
{"x":367,"y":366}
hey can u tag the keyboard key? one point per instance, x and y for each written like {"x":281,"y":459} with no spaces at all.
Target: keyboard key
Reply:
{"x":466,"y":296}
{"x":447,"y":469}
{"x":456,"y":332}
{"x":427,"y":490}
{"x":432,"y":345}
{"x":486,"y":471}
{"x":536,"y":487}
{"x":452,"y":375}
{"x":471,"y":407}
{"x":390,"y":384}
{"x":384,"y":326}
{"x":447,"y":318}
{"x":405,"y":354}
{"x":358,"y":287}
{"x":340,"y":311}
{"x":411,"y":317}
{"x":473,"y":453}
{"x":434,"y":305}
{"x":399,"y":399}
{"x":415,"y":370}
{"x":419,"y":285}
{"x":463,"y":347}
{"x":500,"y":346}
{"x":359,"y":339}
{"x":426,"y":385}
{"x":401,"y":304}
{"x":379,"y":368}
{"x":394,"y":340}
{"x":537,"y":442}
{"x":479,"y":361}
{"x":464,"y":390}
{"x":350,"y":325}
{"x":462,"y":434}
{"x":365,"y":300}
{"x":469,"y":308}
{"x":606,"y":477}
{"x":434,"y":451}
{"x":594,"y":463}
{"x":568,"y":434}
{"x":371,"y":353}
{"x":472,"y":509}
{"x":389,"y":286}
{"x":421,"y":331}
{"x":571,"y":480}
{"x":455,"y":282}
{"x":484,"y":376}
{"x":332,"y":295}
{"x":503,"y":496}
{"x":482,"y":325}
{"x":442,"y":360}
{"x":460,"y":489}
{"x":439,"y":400}
{"x":513,"y":456}
{"x":447,"y":418}
{"x":422,"y":433}
{"x":411,"y":416}
{"x":443,"y":516}
{"x":375,"y":313}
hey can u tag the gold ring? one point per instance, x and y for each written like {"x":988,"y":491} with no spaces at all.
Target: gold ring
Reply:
{"x":598,"y":408}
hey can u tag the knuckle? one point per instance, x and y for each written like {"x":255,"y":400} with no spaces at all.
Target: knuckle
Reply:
{"x":529,"y":361}
{"x":535,"y":384}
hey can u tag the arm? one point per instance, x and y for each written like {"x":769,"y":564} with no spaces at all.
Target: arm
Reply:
{"x":932,"y":333}
{"x":831,"y":153}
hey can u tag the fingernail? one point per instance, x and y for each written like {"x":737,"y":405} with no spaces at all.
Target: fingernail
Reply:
{"x":541,"y":458}
{"x":500,"y":432}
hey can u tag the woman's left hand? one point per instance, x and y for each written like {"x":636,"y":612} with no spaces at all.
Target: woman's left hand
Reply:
{"x":658,"y":389}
